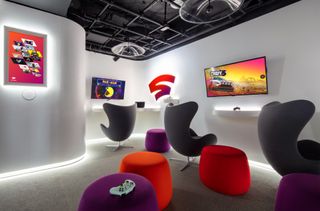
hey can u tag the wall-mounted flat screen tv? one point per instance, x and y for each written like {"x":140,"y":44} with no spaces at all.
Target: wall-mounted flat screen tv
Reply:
{"x":247,"y":77}
{"x":103,"y":88}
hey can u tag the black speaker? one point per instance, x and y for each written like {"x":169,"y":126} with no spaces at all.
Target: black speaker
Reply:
{"x":140,"y":104}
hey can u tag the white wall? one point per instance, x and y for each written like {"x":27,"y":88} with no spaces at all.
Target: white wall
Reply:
{"x":51,"y":127}
{"x":136,"y":89}
{"x":288,"y":37}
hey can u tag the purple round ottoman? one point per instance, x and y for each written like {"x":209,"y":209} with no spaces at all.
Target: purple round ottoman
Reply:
{"x":96,"y":197}
{"x":156,"y":141}
{"x":298,"y":191}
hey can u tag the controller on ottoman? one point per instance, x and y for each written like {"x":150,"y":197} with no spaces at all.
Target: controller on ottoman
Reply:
{"x":125,"y":188}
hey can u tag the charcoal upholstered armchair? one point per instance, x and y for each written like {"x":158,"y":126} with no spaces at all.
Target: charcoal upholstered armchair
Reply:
{"x":182,"y":138}
{"x":279,"y":126}
{"x":121,"y":122}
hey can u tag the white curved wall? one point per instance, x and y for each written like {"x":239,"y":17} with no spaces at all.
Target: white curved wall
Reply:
{"x":51,"y":127}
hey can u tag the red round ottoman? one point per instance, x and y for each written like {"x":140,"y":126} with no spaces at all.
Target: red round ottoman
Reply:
{"x":156,"y":141}
{"x":224,"y":169}
{"x":154,"y":167}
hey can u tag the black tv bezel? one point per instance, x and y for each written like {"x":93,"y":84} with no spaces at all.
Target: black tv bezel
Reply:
{"x":234,"y":95}
{"x":124,"y":89}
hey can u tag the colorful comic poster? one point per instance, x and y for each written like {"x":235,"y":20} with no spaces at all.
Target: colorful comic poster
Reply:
{"x":25,"y":57}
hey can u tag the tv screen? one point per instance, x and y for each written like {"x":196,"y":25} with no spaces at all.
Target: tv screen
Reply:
{"x":247,"y":77}
{"x":103,"y":88}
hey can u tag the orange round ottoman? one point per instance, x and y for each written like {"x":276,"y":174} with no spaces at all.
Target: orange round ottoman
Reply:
{"x":155,"y":168}
{"x":224,"y":169}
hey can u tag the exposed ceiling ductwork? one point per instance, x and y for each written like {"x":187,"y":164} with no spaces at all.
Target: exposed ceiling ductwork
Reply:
{"x":154,"y":25}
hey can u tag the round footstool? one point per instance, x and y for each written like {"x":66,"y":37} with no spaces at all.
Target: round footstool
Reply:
{"x":156,"y":141}
{"x":224,"y":169}
{"x":298,"y":191}
{"x":96,"y":197}
{"x":155,"y":168}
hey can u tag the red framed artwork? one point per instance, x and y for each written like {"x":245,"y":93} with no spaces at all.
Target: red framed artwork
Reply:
{"x":25,"y":58}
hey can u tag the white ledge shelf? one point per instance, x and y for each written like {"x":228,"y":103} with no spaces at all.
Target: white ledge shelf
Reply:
{"x":153,"y":109}
{"x":238,"y":113}
{"x":156,"y":109}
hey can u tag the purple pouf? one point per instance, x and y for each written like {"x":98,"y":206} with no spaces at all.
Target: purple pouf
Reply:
{"x":96,"y":197}
{"x":156,"y":141}
{"x":297,"y":192}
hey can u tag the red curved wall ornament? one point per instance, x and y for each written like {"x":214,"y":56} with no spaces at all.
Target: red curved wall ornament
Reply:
{"x":163,"y":89}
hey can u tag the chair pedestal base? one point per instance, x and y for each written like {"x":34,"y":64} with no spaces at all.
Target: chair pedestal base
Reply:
{"x":117,"y":147}
{"x":190,"y":161}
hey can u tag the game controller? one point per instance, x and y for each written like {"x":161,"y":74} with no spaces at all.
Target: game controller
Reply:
{"x":125,"y":188}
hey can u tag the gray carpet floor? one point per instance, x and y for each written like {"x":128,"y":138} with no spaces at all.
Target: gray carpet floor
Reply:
{"x":60,"y":189}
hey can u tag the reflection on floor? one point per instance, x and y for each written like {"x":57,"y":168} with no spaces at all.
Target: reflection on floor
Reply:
{"x":61,"y":189}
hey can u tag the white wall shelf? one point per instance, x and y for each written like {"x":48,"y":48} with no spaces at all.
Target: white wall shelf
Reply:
{"x":151,"y":108}
{"x":155,"y":109}
{"x":229,"y":112}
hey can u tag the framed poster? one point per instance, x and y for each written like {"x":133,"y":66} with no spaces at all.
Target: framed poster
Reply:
{"x":25,"y":58}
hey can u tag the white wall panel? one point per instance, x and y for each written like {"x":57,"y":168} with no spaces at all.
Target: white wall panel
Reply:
{"x":51,"y":127}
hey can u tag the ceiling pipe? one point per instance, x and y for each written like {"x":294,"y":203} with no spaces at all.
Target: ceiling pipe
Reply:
{"x":245,"y":16}
{"x":219,"y":27}
{"x":211,"y":28}
{"x":125,"y":29}
{"x":141,"y":15}
{"x":87,"y":18}
{"x":132,"y":21}
{"x":98,"y":16}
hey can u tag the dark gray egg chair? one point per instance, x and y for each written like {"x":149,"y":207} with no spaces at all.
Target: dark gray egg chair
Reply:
{"x":121,"y":123}
{"x":183,"y":139}
{"x":279,"y":126}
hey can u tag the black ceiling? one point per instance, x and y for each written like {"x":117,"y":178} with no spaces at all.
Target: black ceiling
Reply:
{"x":108,"y":23}
{"x":57,"y":7}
